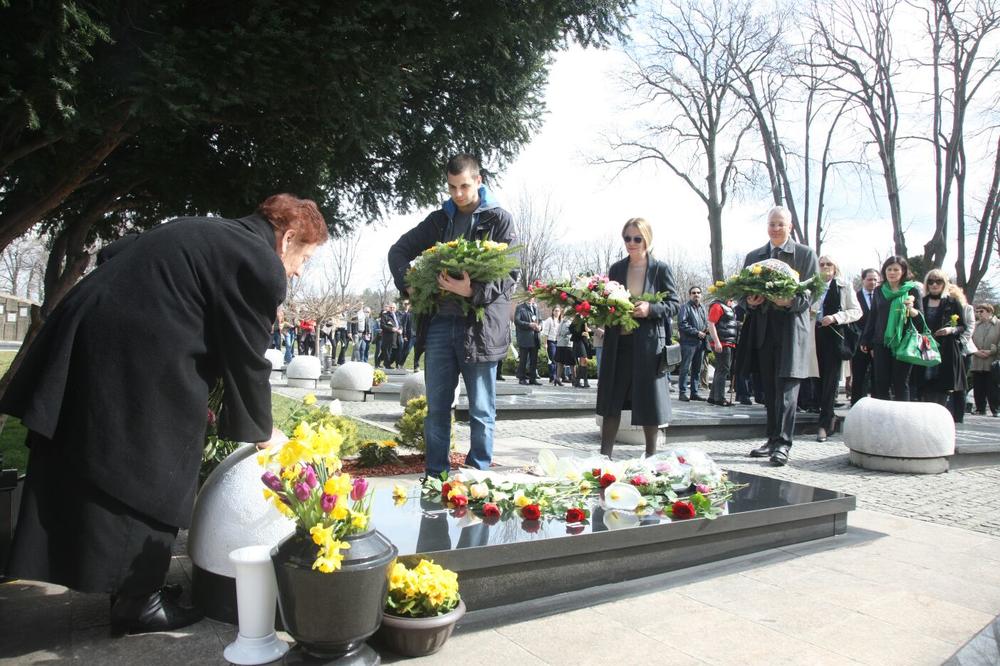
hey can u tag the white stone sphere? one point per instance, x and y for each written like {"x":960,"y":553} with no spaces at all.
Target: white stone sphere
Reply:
{"x":906,"y":437}
{"x":415,"y":386}
{"x":303,"y":367}
{"x":230,"y":512}
{"x":353,"y":376}
{"x":276,"y":357}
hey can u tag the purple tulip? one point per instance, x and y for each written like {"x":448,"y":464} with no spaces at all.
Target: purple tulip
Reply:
{"x":702,"y":488}
{"x":272,"y":481}
{"x":302,"y":491}
{"x":309,"y":477}
{"x":359,"y":489}
{"x":328,"y":502}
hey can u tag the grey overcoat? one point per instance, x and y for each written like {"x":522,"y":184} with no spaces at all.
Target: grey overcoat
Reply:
{"x":798,"y":349}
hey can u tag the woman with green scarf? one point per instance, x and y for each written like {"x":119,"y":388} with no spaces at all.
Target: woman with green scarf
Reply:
{"x":893,"y":304}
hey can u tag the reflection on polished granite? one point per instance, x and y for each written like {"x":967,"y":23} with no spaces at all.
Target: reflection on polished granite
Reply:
{"x":512,"y":561}
{"x":422,"y":525}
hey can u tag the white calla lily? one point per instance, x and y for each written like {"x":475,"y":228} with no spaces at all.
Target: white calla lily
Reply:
{"x":622,"y":496}
{"x":616,"y":520}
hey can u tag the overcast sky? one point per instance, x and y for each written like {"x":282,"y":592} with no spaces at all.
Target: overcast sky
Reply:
{"x":584,"y":100}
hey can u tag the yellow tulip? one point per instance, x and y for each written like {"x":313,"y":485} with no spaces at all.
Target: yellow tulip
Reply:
{"x":309,"y":399}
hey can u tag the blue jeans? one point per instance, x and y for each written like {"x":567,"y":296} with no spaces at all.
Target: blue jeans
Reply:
{"x":444,"y":362}
{"x":289,"y":347}
{"x":691,"y":355}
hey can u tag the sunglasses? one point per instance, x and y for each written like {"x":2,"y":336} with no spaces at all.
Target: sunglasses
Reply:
{"x":632,"y":239}
{"x":935,"y":281}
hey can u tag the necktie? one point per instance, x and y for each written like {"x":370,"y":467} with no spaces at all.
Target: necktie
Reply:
{"x":868,"y":299}
{"x":775,"y":252}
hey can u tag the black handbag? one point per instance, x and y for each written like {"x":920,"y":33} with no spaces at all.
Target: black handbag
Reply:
{"x":669,"y":358}
{"x":848,"y":338}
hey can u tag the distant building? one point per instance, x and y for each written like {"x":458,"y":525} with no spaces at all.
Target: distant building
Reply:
{"x":15,"y":315}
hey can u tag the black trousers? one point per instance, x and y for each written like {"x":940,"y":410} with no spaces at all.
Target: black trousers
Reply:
{"x":861,"y":371}
{"x":781,"y":395}
{"x":830,"y":368}
{"x":527,"y":363}
{"x":985,"y":391}
{"x":71,"y":533}
{"x":388,"y":351}
{"x":888,"y":373}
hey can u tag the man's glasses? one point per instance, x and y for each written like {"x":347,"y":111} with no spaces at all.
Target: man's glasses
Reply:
{"x":632,"y":239}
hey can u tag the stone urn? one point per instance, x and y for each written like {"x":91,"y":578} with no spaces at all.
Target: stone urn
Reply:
{"x":330,"y":615}
{"x":418,"y":636}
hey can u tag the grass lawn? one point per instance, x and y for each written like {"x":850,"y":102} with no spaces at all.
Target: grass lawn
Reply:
{"x":15,"y":455}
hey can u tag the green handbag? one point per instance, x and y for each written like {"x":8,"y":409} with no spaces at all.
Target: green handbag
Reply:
{"x":918,"y":348}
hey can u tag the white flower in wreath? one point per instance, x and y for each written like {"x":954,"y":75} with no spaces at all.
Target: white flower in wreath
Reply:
{"x":619,"y":295}
{"x":621,"y":496}
{"x":479,"y":490}
{"x":583,"y":282}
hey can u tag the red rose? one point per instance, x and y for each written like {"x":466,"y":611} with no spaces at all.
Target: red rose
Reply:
{"x":460,"y":500}
{"x":682,"y":510}
{"x":564,"y":295}
{"x":607,"y":480}
{"x":611,"y":309}
{"x":596,"y":472}
{"x":680,"y":459}
{"x":445,"y":489}
{"x":531,"y":512}
{"x":574,"y":515}
{"x":491,"y":510}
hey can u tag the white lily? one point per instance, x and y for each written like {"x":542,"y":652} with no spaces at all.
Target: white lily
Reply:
{"x":622,"y":496}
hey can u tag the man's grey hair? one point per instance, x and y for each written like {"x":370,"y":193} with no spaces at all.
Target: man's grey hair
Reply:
{"x":782,"y":212}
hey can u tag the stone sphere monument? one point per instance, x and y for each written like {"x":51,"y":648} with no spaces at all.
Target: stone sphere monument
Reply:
{"x":909,"y":437}
{"x":352,"y":381}
{"x":303,"y":372}
{"x":229,"y":513}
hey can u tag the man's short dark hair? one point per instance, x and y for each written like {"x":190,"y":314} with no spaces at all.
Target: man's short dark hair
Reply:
{"x":461,"y":163}
{"x":867,"y":271}
{"x":692,"y":288}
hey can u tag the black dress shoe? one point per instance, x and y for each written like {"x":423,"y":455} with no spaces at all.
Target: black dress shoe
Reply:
{"x":683,"y":398}
{"x":746,"y":402}
{"x":522,"y":382}
{"x":146,"y":614}
{"x":724,"y":403}
{"x":779,"y":457}
{"x":762,"y":451}
{"x":697,"y":398}
{"x":710,"y":401}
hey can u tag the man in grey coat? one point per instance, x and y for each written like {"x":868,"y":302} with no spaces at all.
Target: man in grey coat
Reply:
{"x":778,"y":337}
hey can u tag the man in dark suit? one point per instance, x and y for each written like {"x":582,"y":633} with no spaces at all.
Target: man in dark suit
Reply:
{"x":527,"y":327}
{"x":405,"y":334}
{"x":390,"y":335}
{"x":861,"y":362}
{"x":781,"y":339}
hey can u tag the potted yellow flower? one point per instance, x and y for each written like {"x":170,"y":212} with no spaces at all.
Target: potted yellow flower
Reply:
{"x":332,"y":572}
{"x":422,"y":609}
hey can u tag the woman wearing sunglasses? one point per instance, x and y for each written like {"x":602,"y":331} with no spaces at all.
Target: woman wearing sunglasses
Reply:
{"x":944,"y":311}
{"x":629,"y":363}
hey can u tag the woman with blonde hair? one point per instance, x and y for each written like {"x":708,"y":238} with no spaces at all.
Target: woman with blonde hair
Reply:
{"x":838,"y":308}
{"x":986,"y":360}
{"x":630,"y":376}
{"x":944,"y":312}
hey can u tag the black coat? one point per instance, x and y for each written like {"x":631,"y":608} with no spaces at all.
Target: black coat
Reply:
{"x":118,"y":377}
{"x":650,"y":394}
{"x":949,"y":375}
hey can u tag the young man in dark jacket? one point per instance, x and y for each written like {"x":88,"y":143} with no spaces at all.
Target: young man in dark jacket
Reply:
{"x":457,"y":344}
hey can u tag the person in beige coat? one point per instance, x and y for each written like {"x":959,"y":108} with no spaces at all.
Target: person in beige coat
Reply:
{"x":986,"y":338}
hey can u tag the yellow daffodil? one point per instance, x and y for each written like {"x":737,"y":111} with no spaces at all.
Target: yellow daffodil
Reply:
{"x":310,"y":399}
{"x":756,"y":270}
{"x":359,"y":520}
{"x":338,"y":485}
{"x":340,"y":512}
{"x":320,"y":534}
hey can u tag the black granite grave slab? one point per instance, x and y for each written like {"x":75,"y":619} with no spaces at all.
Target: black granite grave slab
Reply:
{"x":514,"y":561}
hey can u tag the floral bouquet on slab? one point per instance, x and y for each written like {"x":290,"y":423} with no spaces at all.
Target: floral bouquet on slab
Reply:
{"x":303,"y":481}
{"x":770,"y":278}
{"x":484,"y":261}
{"x":680,"y":484}
{"x":596,"y":299}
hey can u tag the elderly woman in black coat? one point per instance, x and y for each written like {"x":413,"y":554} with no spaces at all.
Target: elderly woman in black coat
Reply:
{"x":944,"y":312}
{"x":629,"y":365}
{"x":114,"y":393}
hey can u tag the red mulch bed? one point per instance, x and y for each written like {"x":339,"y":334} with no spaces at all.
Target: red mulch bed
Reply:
{"x":408,"y":464}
